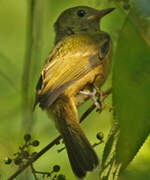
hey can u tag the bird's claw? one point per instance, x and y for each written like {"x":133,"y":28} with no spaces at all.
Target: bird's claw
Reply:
{"x":92,"y":95}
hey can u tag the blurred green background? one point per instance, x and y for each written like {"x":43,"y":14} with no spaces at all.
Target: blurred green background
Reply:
{"x":16,"y":121}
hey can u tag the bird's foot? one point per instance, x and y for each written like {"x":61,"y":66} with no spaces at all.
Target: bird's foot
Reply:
{"x":92,"y":95}
{"x":101,"y":98}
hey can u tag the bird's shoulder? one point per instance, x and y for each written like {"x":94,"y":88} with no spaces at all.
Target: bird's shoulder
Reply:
{"x":71,"y":45}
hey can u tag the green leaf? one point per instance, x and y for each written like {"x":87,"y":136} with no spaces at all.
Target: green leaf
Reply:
{"x":131,"y":97}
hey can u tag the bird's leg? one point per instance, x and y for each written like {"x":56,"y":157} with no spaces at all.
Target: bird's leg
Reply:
{"x":101,"y":97}
{"x":92,"y":95}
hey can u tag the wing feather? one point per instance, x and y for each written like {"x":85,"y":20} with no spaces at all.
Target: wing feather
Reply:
{"x":63,"y":70}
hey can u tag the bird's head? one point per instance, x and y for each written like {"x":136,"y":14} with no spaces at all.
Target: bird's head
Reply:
{"x":81,"y":19}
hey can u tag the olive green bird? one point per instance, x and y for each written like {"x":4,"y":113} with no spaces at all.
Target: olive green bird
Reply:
{"x":79,"y":62}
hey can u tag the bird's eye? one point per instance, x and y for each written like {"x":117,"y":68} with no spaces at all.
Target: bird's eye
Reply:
{"x":81,"y":13}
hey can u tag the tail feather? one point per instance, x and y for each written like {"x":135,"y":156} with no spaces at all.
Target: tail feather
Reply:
{"x":81,"y":154}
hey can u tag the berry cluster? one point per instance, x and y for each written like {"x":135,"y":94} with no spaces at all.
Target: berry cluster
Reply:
{"x":24,"y":155}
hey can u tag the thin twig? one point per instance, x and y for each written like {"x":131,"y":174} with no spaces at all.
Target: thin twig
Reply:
{"x":56,"y":140}
{"x":37,"y":156}
{"x":96,"y":144}
{"x":33,"y":172}
{"x":48,"y":174}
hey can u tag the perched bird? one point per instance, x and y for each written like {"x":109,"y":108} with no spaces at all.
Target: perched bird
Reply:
{"x":79,"y":62}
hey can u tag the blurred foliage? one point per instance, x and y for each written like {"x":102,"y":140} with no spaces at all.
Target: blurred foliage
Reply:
{"x":129,"y":28}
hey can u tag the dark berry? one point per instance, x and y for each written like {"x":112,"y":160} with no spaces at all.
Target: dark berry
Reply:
{"x":61,"y":177}
{"x":56,"y":168}
{"x":35,"y":143}
{"x":27,"y":137}
{"x":100,"y":136}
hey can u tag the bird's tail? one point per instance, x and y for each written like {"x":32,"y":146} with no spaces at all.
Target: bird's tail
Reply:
{"x":81,"y":154}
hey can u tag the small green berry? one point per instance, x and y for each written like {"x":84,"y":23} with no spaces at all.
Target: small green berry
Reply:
{"x":61,"y":177}
{"x":35,"y":143}
{"x":56,"y":168}
{"x":7,"y":160}
{"x":27,"y":137}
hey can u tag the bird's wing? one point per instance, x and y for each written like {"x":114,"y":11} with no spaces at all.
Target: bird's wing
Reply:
{"x":64,"y":69}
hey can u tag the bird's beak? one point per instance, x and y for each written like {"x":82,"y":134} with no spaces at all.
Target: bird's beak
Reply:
{"x":101,"y":13}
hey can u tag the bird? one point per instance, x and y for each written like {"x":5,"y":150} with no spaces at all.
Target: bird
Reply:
{"x":77,"y":66}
